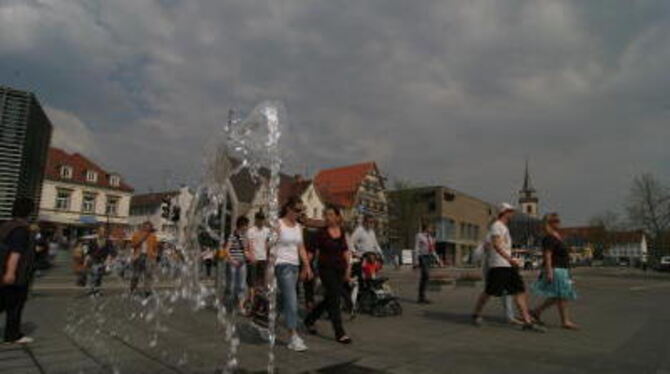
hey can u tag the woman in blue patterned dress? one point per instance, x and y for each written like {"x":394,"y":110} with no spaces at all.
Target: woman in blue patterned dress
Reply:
{"x":555,"y":283}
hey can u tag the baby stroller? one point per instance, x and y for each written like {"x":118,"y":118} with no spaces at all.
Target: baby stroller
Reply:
{"x":376,"y":297}
{"x":259,"y":308}
{"x":371,"y":294}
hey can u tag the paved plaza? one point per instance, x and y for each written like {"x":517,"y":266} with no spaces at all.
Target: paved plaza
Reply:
{"x":624,"y":314}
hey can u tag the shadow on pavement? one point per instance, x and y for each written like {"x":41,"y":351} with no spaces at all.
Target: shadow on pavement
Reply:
{"x":457,"y":318}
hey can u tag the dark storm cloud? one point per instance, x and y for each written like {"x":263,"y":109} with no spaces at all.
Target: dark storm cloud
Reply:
{"x":439,"y":92}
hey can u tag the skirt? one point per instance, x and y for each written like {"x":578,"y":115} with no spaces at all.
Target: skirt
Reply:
{"x":561,"y":288}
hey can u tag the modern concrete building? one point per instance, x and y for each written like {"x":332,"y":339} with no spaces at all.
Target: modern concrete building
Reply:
{"x":460,"y":220}
{"x":79,"y":195}
{"x":25,"y":134}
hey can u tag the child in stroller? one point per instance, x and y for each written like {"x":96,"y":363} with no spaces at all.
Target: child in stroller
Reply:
{"x":375,"y":295}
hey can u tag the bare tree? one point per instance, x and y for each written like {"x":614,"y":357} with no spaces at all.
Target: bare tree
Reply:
{"x":600,"y":236}
{"x":608,"y":220}
{"x":649,"y":208}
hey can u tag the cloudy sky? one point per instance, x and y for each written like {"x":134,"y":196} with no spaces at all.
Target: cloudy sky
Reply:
{"x":440,"y":92}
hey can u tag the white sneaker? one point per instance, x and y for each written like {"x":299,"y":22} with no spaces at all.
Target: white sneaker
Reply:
{"x":24,"y":340}
{"x":297,"y":344}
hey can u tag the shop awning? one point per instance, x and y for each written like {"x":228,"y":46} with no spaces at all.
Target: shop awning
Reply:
{"x":89,"y":220}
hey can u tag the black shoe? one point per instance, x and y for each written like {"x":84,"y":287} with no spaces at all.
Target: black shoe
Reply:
{"x":478,"y":321}
{"x":532,"y":327}
{"x":311,"y":329}
{"x":344,"y":340}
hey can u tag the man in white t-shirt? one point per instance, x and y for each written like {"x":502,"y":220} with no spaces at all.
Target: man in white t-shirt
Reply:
{"x":258,"y":236}
{"x":364,"y":239}
{"x":503,"y":277}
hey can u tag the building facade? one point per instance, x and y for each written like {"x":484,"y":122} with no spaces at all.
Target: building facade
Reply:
{"x":78,"y":195}
{"x":168,"y":212}
{"x":25,"y":134}
{"x":461,"y":221}
{"x":628,"y":247}
{"x":359,"y":190}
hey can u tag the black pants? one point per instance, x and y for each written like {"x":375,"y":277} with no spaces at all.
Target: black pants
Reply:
{"x":208,"y":267}
{"x":308,"y":285}
{"x":332,"y":281}
{"x":12,"y":300}
{"x":424,"y":263}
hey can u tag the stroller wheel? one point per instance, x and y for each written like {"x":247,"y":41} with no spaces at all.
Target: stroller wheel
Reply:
{"x":396,"y":308}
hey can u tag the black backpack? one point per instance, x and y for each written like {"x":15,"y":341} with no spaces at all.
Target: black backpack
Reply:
{"x":6,"y":229}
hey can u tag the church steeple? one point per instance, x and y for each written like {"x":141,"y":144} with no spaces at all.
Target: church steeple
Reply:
{"x":528,"y":200}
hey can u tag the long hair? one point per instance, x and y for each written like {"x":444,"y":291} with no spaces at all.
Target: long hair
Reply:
{"x":546,"y":223}
{"x":291,"y":203}
{"x":337,"y":212}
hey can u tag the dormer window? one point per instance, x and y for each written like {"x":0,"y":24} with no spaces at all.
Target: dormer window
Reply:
{"x":91,"y":176}
{"x":66,"y":172}
{"x":114,"y":180}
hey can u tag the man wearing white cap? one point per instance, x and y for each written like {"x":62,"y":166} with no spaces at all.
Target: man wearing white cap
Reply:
{"x":503,"y":276}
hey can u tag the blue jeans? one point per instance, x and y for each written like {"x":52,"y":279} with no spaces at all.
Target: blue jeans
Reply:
{"x":236,"y":282}
{"x":287,"y":281}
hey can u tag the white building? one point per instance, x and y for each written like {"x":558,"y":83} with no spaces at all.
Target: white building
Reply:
{"x":630,"y":247}
{"x":314,"y":205}
{"x":78,"y":195}
{"x":288,"y":187}
{"x":152,"y":207}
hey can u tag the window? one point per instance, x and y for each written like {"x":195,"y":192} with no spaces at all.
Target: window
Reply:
{"x":112,"y":206}
{"x":88,"y":203}
{"x":91,"y":176}
{"x":529,"y":209}
{"x":316,"y":213}
{"x":66,"y":172}
{"x":114,"y":180}
{"x":63,"y":199}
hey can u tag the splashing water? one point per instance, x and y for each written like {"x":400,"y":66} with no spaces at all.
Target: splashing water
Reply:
{"x":253,"y":144}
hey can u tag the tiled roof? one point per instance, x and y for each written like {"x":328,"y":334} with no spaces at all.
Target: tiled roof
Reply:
{"x":80,"y":165}
{"x":246,"y":186}
{"x":151,"y":199}
{"x":292,"y":187}
{"x":587,"y":232}
{"x":340,"y":185}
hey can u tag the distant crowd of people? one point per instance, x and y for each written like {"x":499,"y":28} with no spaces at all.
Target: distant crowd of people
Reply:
{"x":294,"y":253}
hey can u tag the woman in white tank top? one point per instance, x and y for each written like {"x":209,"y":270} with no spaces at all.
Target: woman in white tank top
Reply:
{"x":288,"y":253}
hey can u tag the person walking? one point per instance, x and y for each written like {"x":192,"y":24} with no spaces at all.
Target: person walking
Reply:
{"x":101,"y":249}
{"x":237,"y":253}
{"x":364,"y":239}
{"x":16,"y":272}
{"x":207,"y":256}
{"x":286,"y":256}
{"x":503,"y":277}
{"x":144,"y":244}
{"x":332,"y":252}
{"x":424,"y":253}
{"x":480,"y":255}
{"x":258,"y":236}
{"x":555,"y":284}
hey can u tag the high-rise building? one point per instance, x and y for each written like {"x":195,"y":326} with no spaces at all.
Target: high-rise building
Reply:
{"x":25,"y":133}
